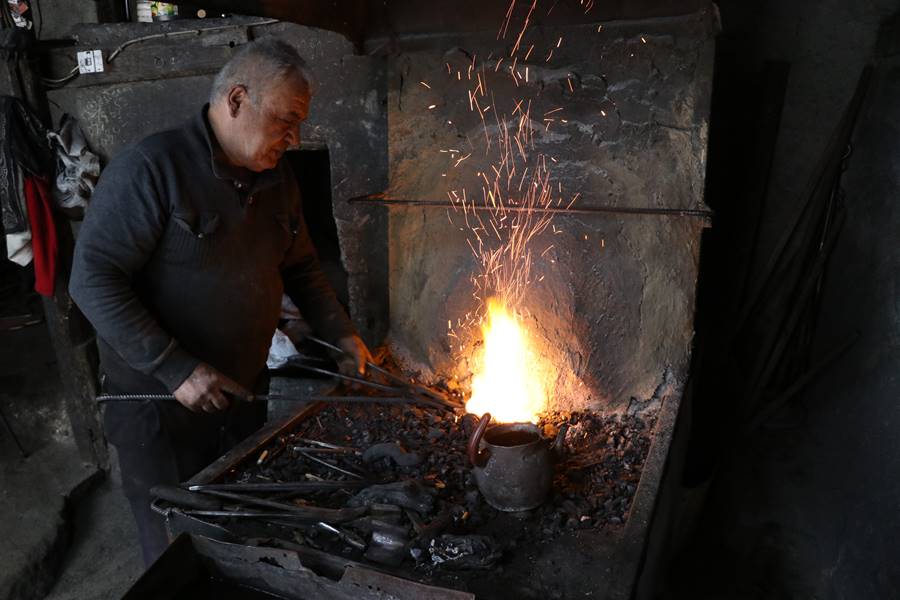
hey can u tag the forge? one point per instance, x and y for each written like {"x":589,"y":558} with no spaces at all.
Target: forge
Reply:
{"x":516,"y":211}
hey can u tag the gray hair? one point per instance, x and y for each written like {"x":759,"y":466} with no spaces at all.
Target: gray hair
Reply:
{"x":259,"y":64}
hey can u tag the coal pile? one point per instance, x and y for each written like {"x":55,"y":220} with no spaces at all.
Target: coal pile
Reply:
{"x":408,"y":465}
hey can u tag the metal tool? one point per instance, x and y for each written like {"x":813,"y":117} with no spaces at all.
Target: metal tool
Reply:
{"x":265,"y":397}
{"x":299,"y":486}
{"x":238,"y":514}
{"x":309,"y":513}
{"x":410,"y":386}
{"x":347,"y":537}
{"x":314,"y":450}
{"x":331,"y":466}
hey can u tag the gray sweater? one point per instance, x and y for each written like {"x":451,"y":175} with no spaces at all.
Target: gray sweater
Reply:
{"x":183,"y":258}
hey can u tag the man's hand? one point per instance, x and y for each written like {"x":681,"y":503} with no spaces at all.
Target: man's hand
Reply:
{"x":355,"y":357}
{"x":204,"y":390}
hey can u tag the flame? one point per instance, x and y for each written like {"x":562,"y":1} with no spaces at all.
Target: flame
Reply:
{"x":510,"y":383}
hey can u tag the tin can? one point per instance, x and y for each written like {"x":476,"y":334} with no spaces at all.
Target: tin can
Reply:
{"x":142,"y":12}
{"x":163,"y":11}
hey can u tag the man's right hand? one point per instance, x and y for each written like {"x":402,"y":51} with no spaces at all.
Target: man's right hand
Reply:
{"x":204,"y":390}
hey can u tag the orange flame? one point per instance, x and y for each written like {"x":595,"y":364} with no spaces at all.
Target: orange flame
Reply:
{"x":511,"y":381}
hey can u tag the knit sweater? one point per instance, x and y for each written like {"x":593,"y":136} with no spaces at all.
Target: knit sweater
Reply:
{"x":183,"y":258}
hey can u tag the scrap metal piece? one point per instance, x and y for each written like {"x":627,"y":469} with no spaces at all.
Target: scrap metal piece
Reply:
{"x":388,"y":545}
{"x":392,"y":451}
{"x":464,"y":551}
{"x":406,"y":494}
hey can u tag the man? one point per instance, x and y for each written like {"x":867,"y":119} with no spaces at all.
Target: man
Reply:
{"x":191,"y":238}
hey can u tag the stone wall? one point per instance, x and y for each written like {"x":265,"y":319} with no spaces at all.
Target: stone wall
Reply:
{"x":612,"y":301}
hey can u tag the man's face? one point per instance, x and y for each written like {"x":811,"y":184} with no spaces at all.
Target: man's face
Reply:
{"x":267,"y":123}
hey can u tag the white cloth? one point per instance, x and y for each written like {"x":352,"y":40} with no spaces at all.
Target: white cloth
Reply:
{"x":77,"y":168}
{"x":281,"y":350}
{"x":18,"y":248}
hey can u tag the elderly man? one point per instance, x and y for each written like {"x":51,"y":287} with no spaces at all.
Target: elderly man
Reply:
{"x":191,"y":238}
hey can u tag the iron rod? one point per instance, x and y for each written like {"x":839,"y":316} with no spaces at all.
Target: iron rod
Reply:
{"x":623,"y":210}
{"x":395,"y":378}
{"x":298,"y":486}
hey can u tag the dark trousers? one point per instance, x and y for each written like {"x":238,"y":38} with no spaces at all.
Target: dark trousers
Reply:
{"x":162,"y":442}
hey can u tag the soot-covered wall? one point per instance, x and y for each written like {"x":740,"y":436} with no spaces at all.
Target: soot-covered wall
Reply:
{"x":611,"y":302}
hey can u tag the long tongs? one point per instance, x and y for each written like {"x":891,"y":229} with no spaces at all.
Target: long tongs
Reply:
{"x":403,"y":386}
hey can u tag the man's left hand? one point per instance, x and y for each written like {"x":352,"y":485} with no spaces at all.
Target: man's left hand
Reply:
{"x":356,"y":355}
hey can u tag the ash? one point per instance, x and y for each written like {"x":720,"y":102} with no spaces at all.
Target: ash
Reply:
{"x":417,"y":458}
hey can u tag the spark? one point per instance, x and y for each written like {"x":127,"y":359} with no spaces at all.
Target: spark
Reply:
{"x":425,"y":84}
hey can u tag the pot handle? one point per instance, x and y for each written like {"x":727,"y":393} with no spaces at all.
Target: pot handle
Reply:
{"x":476,"y":457}
{"x":558,"y":445}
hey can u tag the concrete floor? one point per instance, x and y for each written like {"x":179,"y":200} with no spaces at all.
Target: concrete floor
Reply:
{"x":104,"y":558}
{"x":65,"y":527}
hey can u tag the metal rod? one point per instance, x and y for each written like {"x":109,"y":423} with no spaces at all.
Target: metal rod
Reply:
{"x":331,"y":466}
{"x":298,"y":486}
{"x":395,"y":378}
{"x":314,"y":450}
{"x":622,"y":210}
{"x":308,"y":512}
{"x":238,"y":514}
{"x":265,"y":397}
{"x":350,"y":378}
{"x":312,"y":442}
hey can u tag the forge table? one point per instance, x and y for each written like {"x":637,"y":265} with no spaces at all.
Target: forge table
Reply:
{"x":595,"y":563}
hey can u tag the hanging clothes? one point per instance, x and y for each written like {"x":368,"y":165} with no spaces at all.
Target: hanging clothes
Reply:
{"x":23,"y":151}
{"x":43,"y":234}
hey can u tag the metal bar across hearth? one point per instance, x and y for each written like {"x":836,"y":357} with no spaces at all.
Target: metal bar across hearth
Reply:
{"x":701,"y":213}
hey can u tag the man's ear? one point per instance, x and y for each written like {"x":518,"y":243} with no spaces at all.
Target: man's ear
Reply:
{"x":237,"y":96}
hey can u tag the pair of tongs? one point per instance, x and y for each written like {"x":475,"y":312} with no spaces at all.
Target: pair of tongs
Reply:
{"x":415,"y":391}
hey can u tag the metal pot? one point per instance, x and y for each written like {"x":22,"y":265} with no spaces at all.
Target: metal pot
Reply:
{"x":513,"y":463}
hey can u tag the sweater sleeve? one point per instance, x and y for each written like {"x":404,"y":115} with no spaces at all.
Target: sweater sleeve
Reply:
{"x":308,"y":287}
{"x":122,"y":227}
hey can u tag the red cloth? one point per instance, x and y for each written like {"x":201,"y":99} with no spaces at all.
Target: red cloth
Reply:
{"x":43,"y":234}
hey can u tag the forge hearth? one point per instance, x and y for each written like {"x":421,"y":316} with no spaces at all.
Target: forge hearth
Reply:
{"x":427,"y":520}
